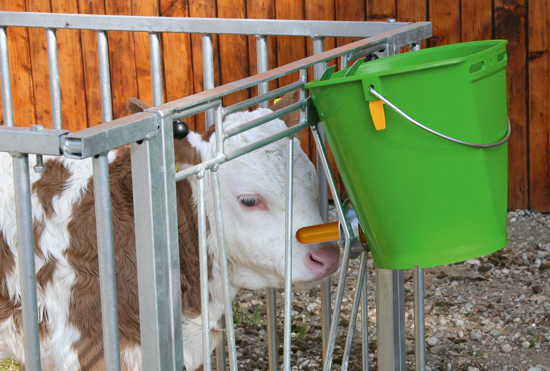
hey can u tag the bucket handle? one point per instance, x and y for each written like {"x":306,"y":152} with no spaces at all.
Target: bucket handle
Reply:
{"x":376,"y":94}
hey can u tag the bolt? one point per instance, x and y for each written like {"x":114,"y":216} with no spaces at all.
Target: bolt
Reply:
{"x":39,"y":167}
{"x":37,"y":127}
{"x":392,"y":20}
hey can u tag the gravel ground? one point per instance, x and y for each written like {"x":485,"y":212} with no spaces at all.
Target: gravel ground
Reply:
{"x":491,"y":313}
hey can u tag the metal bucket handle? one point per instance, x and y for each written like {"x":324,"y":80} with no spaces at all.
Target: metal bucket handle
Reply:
{"x":376,"y":94}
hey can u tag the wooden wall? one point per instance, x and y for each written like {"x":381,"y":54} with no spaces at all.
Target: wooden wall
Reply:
{"x":523,"y":22}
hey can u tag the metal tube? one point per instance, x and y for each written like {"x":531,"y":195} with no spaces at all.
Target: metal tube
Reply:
{"x":27,"y":272}
{"x":419,"y":321}
{"x":262,"y":63}
{"x":156,"y":68}
{"x":365,"y":323}
{"x":272,"y":341}
{"x":106,"y":258}
{"x":104,"y":76}
{"x":7,"y":102}
{"x":230,"y":329}
{"x":208,"y":72}
{"x":289,"y":238}
{"x":355,"y":310}
{"x":203,"y":262}
{"x":55,"y":89}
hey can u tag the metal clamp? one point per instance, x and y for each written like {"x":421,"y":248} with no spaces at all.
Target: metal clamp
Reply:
{"x":504,"y":140}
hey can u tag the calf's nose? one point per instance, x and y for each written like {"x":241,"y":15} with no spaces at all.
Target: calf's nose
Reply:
{"x":323,"y":261}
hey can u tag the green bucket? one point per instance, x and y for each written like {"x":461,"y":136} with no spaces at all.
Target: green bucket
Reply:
{"x":423,"y":199}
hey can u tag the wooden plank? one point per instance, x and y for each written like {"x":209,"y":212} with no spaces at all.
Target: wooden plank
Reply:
{"x":290,"y":49}
{"x":203,"y":9}
{"x":262,"y":9}
{"x":141,"y":50}
{"x":539,"y":105}
{"x":122,"y":60}
{"x":381,"y":11}
{"x":476,"y":20}
{"x":39,"y":64}
{"x":233,"y":51}
{"x":177,"y":57}
{"x":71,"y":73}
{"x":20,"y":68}
{"x":349,"y":10}
{"x":510,"y":24}
{"x":90,"y":63}
{"x":445,"y":17}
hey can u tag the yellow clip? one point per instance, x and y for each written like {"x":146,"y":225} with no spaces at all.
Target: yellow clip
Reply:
{"x":276,"y":100}
{"x":377,"y":113}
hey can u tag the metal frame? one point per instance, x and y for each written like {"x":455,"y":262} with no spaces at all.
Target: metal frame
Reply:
{"x":149,"y":134}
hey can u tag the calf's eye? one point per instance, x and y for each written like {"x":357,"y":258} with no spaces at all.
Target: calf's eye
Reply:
{"x":249,"y":201}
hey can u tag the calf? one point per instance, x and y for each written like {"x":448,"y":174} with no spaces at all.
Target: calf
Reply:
{"x":253,"y":199}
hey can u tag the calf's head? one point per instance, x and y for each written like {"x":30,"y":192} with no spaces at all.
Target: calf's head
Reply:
{"x":253,"y":190}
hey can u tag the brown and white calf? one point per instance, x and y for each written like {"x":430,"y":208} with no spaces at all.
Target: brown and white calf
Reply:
{"x":253,"y":196}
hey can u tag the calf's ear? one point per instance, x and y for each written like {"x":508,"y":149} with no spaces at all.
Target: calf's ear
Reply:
{"x":135,"y":105}
{"x":293,"y":118}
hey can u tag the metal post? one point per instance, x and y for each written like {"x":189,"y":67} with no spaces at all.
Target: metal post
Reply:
{"x":289,"y":238}
{"x":7,"y":103}
{"x":390,"y":320}
{"x":106,"y":257}
{"x":262,"y":63}
{"x":419,"y":321}
{"x":55,"y":89}
{"x":104,"y":76}
{"x":208,"y":72}
{"x":365,"y":323}
{"x":156,"y":68}
{"x":157,"y":250}
{"x":27,"y":272}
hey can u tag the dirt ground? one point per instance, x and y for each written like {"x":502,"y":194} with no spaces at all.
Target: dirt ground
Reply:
{"x":491,"y":313}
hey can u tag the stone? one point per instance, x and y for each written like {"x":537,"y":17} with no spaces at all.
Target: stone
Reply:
{"x":497,"y":333}
{"x":526,"y":344}
{"x":438,"y":349}
{"x":476,"y":336}
{"x":506,"y":348}
{"x":432,"y":341}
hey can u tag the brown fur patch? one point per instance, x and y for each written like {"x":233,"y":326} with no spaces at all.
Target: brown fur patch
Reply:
{"x":52,"y":183}
{"x":293,"y":118}
{"x":85,"y":307}
{"x":7,"y":265}
{"x":208,"y":133}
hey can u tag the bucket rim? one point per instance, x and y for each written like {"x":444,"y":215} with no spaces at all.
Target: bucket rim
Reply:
{"x":497,"y":43}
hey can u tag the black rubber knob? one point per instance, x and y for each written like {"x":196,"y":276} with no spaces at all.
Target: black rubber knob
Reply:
{"x":180,"y":129}
{"x":371,"y":57}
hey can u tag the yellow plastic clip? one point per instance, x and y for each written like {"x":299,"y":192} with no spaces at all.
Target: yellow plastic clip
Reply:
{"x":377,"y":112}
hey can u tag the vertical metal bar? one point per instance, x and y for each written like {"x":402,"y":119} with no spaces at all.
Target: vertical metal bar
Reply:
{"x":230,"y":330}
{"x":289,"y":238}
{"x":365,"y":323}
{"x":208,"y":72}
{"x":27,"y":272}
{"x":262,"y":63}
{"x":327,"y":365}
{"x":322,"y":199}
{"x":156,"y":68}
{"x":106,"y":256}
{"x":104,"y":76}
{"x":390,"y":313}
{"x":355,"y":310}
{"x":7,"y":102}
{"x":419,"y":321}
{"x":203,"y":263}
{"x":157,"y":250}
{"x":55,"y":89}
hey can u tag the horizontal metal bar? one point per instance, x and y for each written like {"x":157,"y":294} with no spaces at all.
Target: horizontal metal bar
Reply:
{"x":264,"y":97}
{"x":179,"y":114}
{"x":399,"y":37}
{"x":28,"y":140}
{"x":198,"y":25}
{"x":101,"y":138}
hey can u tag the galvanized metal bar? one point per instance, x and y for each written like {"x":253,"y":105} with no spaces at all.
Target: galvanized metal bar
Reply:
{"x":104,"y":76}
{"x":55,"y":88}
{"x":198,"y":25}
{"x":186,"y":112}
{"x":264,"y":97}
{"x":419,"y":320}
{"x":390,"y":320}
{"x":227,"y":297}
{"x":289,"y":238}
{"x":5,"y":79}
{"x":106,"y":258}
{"x":322,"y":200}
{"x":347,"y":243}
{"x":156,"y":68}
{"x":262,"y":65}
{"x":36,"y":140}
{"x":157,"y":250}
{"x":27,"y":272}
{"x":221,"y":359}
{"x":365,"y":324}
{"x":272,"y":340}
{"x":203,"y":263}
{"x":208,"y":72}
